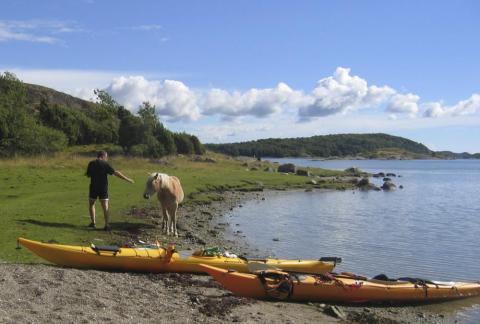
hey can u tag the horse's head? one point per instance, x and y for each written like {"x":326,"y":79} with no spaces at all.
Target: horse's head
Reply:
{"x":155,"y":182}
{"x":150,"y":186}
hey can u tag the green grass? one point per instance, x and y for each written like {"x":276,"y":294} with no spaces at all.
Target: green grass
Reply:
{"x":45,"y":198}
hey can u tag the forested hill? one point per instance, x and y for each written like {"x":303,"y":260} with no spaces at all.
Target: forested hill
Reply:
{"x":342,"y":145}
{"x":38,"y":120}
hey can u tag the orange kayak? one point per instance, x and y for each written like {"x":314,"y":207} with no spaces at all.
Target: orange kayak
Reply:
{"x":157,"y":259}
{"x":338,"y":288}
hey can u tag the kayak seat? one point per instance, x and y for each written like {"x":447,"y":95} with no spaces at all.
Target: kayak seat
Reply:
{"x":383,"y":277}
{"x":105,"y":248}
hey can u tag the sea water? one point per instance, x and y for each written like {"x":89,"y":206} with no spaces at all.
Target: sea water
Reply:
{"x":429,"y":229}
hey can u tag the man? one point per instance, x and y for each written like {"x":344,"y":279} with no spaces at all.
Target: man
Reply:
{"x":98,"y":170}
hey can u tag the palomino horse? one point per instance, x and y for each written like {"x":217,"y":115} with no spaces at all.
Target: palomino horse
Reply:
{"x":170,"y":194}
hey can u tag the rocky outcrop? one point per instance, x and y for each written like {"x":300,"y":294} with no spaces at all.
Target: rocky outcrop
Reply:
{"x":354,"y":171}
{"x":302,"y":172}
{"x":199,"y":158}
{"x":391,"y":175}
{"x":287,"y":168}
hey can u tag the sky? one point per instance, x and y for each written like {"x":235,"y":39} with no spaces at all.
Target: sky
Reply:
{"x":230,"y":71}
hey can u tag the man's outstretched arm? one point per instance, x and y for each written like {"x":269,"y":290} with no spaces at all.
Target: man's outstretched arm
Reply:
{"x":121,"y":176}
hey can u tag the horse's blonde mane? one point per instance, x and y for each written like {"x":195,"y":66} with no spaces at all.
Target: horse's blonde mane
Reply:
{"x":165,"y":179}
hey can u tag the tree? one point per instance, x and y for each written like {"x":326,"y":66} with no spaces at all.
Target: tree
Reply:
{"x":130,"y":132}
{"x":105,"y":100}
{"x":105,"y":115}
{"x":197,"y":146}
{"x":20,"y":132}
{"x":166,"y":137}
{"x":147,"y":113}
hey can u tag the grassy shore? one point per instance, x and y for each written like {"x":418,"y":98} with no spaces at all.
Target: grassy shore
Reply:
{"x":45,"y":198}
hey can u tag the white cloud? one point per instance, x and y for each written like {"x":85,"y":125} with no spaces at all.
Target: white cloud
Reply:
{"x":339,"y":93}
{"x":433,"y":109}
{"x":404,"y":104}
{"x":342,"y":93}
{"x":147,"y":27}
{"x":231,"y":131}
{"x":466,"y":107}
{"x":254,"y":102}
{"x":11,"y":33}
{"x":37,"y":31}
{"x":173,"y":99}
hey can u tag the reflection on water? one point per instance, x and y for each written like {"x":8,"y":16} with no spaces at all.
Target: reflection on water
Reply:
{"x":429,"y":229}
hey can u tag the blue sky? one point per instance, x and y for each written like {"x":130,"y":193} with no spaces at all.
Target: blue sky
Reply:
{"x":230,"y":71}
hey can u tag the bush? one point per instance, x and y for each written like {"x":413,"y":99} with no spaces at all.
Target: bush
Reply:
{"x":138,"y":150}
{"x":183,"y":143}
{"x":39,"y":140}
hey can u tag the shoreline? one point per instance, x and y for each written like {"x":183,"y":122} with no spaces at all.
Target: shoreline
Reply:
{"x":193,"y":297}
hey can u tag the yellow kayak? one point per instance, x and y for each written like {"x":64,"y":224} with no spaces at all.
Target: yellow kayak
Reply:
{"x":157,"y":259}
{"x":344,"y":288}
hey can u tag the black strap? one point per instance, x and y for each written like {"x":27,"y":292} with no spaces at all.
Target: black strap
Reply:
{"x":284,"y":284}
{"x":335,"y":260}
{"x":418,"y":281}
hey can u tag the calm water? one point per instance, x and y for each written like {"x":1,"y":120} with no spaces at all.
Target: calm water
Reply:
{"x":430,"y":229}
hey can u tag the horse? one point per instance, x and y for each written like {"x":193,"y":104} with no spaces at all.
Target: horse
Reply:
{"x":170,"y":195}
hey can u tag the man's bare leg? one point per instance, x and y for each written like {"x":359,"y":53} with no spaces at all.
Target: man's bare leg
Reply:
{"x":91,"y":209}
{"x":106,"y":214}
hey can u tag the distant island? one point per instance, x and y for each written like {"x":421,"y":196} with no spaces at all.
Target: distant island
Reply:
{"x":345,"y":146}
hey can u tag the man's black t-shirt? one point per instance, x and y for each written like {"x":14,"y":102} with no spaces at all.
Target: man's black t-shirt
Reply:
{"x":98,"y":170}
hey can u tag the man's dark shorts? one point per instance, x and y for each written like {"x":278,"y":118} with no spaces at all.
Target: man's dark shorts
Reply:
{"x":99,"y":193}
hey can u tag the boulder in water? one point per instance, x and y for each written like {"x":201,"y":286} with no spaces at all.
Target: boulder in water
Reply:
{"x":387,"y":179}
{"x":388,"y":186}
{"x":391,"y":175}
{"x":364,"y":184}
